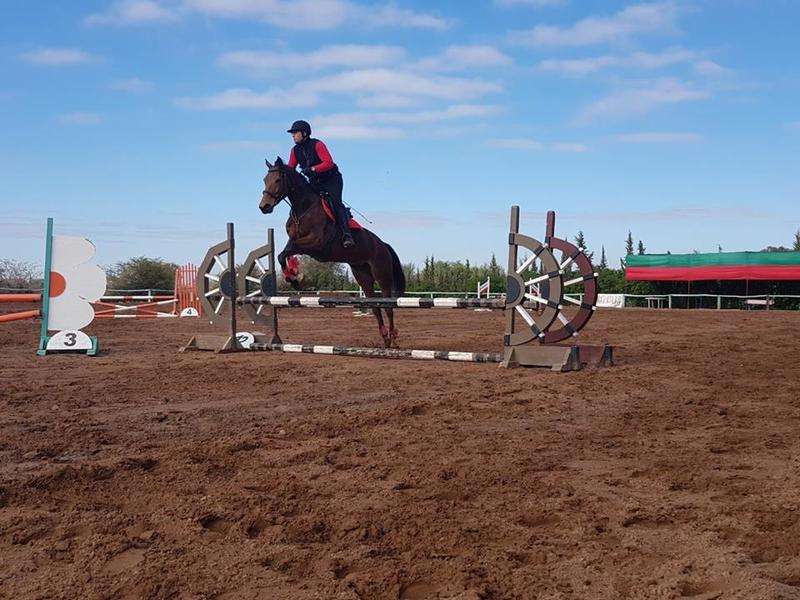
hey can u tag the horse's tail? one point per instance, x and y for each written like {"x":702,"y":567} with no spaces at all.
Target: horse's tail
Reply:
{"x":398,"y":275}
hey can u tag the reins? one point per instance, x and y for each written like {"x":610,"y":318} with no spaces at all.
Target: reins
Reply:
{"x":286,"y":195}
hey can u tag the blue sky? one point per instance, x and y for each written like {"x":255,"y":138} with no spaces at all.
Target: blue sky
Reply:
{"x":143,"y":124}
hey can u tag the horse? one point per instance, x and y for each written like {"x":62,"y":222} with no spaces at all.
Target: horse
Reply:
{"x":313,"y":233}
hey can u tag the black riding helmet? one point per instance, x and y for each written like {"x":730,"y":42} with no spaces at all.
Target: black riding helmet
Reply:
{"x":300,"y":126}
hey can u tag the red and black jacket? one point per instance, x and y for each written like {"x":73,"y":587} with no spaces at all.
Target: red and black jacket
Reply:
{"x":312,"y":153}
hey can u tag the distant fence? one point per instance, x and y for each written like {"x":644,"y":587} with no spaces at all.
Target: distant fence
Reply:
{"x":712,"y":301}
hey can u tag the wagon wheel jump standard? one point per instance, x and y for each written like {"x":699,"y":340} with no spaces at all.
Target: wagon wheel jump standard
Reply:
{"x":538,"y":311}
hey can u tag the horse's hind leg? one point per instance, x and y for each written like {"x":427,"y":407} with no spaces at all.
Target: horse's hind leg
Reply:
{"x":364,"y":277}
{"x":393,"y":333}
{"x":385,"y":281}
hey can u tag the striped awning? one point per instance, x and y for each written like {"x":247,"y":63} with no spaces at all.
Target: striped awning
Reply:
{"x":713,"y":266}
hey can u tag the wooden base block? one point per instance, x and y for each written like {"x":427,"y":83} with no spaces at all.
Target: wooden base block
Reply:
{"x":557,"y":358}
{"x":596,"y":356}
{"x":222,"y":344}
{"x":212,"y":342}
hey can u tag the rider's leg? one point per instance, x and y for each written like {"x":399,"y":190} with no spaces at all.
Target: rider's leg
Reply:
{"x":334,"y":188}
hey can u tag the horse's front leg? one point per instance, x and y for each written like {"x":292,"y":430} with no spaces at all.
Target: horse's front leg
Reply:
{"x":290,"y":266}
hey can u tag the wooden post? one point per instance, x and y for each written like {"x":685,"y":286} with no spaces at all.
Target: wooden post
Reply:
{"x":48,"y":265}
{"x":233,"y":342}
{"x":276,"y":338}
{"x":512,"y":261}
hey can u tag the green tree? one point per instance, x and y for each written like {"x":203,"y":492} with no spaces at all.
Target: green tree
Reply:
{"x":629,"y":244}
{"x":580,"y":242}
{"x":796,"y":245}
{"x":603,"y":262}
{"x":628,"y":251}
{"x":142,"y":273}
{"x":324,"y":276}
{"x":17,"y":274}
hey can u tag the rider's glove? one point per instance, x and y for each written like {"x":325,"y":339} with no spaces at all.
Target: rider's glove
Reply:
{"x":308,"y":172}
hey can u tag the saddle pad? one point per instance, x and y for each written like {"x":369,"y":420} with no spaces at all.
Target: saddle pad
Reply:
{"x":326,"y":207}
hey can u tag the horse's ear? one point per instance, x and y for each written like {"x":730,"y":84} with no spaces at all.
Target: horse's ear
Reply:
{"x":269,"y":166}
{"x":279,"y":162}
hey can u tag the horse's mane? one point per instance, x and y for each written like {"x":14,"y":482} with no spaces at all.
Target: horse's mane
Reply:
{"x":298,"y":181}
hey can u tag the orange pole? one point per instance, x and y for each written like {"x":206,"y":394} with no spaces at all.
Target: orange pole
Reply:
{"x":20,"y":297}
{"x":28,"y":314}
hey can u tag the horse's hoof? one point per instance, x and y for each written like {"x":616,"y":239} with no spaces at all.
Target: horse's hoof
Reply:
{"x":394,"y":334}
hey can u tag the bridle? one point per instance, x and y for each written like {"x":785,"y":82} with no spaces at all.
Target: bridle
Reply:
{"x":285,"y":191}
{"x":283,"y":195}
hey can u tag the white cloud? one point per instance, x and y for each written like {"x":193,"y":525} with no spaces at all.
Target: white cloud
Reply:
{"x":377,"y":82}
{"x":393,"y":16}
{"x":81,"y":118}
{"x":630,"y":21}
{"x":361,"y":58}
{"x":361,"y":83}
{"x":388,"y":125}
{"x":516,"y":144}
{"x":570,"y":147}
{"x":246,"y":98}
{"x":532,"y":3}
{"x":300,"y":14}
{"x":317,"y":14}
{"x":575,"y":67}
{"x":358,"y":132}
{"x":658,"y":137}
{"x":453,"y":112}
{"x":643,"y":99}
{"x":132,"y":12}
{"x":530,"y":144}
{"x":236,"y":145}
{"x":58,"y":57}
{"x":132,"y":84}
{"x":351,"y":55}
{"x":457,"y":58}
{"x":709,"y":68}
{"x":386,"y":101}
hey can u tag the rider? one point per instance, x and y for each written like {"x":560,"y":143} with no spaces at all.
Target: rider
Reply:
{"x":317,"y":164}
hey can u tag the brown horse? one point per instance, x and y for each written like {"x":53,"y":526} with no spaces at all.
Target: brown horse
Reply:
{"x":313,"y":233}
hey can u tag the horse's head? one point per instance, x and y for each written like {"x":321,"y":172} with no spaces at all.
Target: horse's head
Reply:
{"x":276,"y":186}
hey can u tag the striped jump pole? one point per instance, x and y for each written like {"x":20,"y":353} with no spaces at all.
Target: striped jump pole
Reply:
{"x":344,"y":301}
{"x":477,"y":357}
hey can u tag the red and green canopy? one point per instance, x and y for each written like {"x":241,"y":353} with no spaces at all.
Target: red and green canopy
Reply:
{"x":719,"y":266}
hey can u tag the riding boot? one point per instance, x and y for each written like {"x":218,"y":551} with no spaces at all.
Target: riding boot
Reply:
{"x":344,"y":223}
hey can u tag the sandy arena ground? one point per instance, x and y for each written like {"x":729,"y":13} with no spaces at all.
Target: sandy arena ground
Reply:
{"x":145,"y":473}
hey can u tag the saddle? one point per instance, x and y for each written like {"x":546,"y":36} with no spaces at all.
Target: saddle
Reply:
{"x":326,"y":206}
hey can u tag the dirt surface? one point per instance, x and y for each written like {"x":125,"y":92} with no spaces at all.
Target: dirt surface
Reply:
{"x":144,"y":473}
